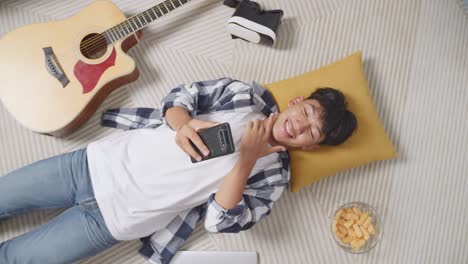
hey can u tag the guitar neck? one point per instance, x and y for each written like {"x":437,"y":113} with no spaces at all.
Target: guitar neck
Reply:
{"x":139,"y":21}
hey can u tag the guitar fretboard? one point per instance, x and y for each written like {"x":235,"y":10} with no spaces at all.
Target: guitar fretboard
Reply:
{"x":139,"y":21}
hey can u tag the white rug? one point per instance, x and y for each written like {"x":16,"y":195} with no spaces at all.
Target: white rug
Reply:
{"x":416,"y":57}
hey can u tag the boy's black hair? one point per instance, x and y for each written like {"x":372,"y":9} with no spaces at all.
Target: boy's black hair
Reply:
{"x":338,"y":122}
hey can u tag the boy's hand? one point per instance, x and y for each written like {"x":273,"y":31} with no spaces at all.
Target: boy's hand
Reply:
{"x":255,"y":139}
{"x":189,"y":132}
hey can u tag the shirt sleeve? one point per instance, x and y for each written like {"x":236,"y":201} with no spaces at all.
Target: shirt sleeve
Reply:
{"x":256,"y":203}
{"x":208,"y":96}
{"x":131,"y":118}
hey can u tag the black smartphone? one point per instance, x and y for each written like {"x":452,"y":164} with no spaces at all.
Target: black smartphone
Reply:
{"x":218,"y":140}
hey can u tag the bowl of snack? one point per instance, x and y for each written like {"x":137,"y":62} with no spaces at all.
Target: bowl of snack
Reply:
{"x":356,"y":227}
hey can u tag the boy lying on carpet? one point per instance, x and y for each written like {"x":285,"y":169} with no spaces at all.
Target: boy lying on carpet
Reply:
{"x":141,"y":183}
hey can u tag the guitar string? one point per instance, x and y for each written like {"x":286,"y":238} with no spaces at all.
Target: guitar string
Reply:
{"x":97,"y":42}
{"x":101,"y":39}
{"x":140,"y":17}
{"x":71,"y":51}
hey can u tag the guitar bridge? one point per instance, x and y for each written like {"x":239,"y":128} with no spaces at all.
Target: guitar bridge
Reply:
{"x":53,"y":67}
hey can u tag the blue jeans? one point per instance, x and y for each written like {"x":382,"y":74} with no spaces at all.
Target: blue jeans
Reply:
{"x":62,"y":181}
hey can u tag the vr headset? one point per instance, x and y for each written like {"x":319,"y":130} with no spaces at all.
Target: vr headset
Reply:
{"x":249,"y":22}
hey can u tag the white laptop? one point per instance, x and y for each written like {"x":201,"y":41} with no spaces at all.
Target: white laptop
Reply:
{"x":215,"y":257}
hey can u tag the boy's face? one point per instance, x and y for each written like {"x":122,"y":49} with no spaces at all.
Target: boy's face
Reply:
{"x":300,"y":125}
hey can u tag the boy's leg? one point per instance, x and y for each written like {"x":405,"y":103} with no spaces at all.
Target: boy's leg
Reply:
{"x":76,"y":233}
{"x":56,"y":182}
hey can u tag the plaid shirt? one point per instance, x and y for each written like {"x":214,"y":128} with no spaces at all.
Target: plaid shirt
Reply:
{"x":262,"y":189}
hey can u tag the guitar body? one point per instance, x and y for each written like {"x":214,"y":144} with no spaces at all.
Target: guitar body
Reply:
{"x":48,"y":85}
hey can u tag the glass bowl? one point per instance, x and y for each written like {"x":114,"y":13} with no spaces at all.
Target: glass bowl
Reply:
{"x":375,"y":221}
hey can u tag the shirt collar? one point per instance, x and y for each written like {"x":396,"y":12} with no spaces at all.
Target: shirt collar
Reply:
{"x":269,"y":104}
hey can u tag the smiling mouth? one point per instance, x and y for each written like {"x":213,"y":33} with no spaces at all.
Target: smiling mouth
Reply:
{"x":288,"y":129}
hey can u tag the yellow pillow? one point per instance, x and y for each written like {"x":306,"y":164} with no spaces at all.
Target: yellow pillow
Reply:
{"x":368,"y":143}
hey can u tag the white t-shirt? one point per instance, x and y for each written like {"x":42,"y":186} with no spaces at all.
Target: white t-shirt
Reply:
{"x":142,"y":179}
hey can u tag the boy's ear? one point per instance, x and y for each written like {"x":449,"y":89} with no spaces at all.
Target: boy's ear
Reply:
{"x":306,"y":148}
{"x":296,"y":100}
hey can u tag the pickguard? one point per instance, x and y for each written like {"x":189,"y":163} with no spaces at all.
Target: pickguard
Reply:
{"x":89,"y":74}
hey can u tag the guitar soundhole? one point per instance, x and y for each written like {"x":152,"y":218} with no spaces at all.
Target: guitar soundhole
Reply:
{"x":93,"y":46}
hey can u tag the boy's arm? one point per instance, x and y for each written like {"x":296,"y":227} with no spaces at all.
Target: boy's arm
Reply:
{"x":241,"y":201}
{"x":131,"y":118}
{"x":256,"y":202}
{"x":196,"y":98}
{"x":186,"y":128}
{"x":184,"y":102}
{"x":230,"y":192}
{"x":207,"y":96}
{"x":176,"y":117}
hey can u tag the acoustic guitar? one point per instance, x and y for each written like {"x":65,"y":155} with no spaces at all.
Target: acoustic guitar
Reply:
{"x":55,"y":75}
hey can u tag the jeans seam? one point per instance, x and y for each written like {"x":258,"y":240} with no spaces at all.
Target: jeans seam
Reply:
{"x":86,"y":200}
{"x":88,"y":203}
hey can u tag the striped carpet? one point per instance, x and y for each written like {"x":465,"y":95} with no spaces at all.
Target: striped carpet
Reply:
{"x":416,"y":58}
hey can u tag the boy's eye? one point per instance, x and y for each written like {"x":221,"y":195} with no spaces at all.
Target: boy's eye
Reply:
{"x":305,"y":112}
